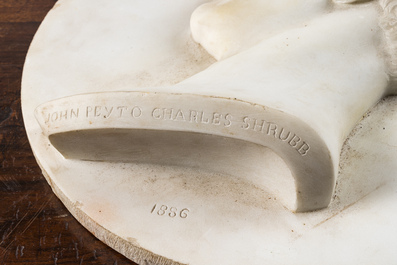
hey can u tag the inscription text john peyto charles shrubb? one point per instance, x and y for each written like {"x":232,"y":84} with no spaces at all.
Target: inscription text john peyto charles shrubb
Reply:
{"x":160,"y":114}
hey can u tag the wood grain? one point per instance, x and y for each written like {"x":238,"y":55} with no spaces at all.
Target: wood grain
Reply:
{"x":35,"y":227}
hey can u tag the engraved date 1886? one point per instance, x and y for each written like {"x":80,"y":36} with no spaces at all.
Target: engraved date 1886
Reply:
{"x":172,"y":212}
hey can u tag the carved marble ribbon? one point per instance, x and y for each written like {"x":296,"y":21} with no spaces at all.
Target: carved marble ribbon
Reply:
{"x":103,"y":126}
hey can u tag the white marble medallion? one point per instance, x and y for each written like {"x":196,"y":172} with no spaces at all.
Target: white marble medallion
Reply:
{"x":221,"y":132}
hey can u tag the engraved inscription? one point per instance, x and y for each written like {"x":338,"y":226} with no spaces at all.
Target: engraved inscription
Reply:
{"x":113,"y":111}
{"x":190,"y":117}
{"x":68,"y":114}
{"x":275,"y":131}
{"x":172,"y":212}
{"x":97,"y":111}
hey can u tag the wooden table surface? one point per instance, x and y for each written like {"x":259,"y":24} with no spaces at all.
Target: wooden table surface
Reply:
{"x":35,"y":227}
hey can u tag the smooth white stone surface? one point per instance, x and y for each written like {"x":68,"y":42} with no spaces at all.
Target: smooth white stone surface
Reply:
{"x":227,"y":27}
{"x":230,"y":197}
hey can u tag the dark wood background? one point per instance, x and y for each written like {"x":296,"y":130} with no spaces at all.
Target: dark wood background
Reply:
{"x":35,"y":227}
